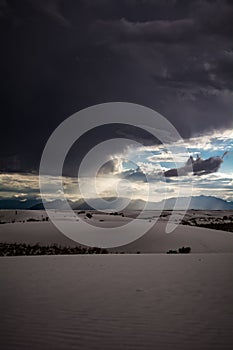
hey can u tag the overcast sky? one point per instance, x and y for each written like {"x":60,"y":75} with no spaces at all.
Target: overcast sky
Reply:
{"x":59,"y":56}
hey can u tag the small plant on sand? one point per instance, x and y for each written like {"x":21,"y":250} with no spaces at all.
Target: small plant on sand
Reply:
{"x":184,"y":250}
{"x":172,"y":251}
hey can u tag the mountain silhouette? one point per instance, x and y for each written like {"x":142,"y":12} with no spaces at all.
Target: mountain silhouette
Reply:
{"x":197,"y":202}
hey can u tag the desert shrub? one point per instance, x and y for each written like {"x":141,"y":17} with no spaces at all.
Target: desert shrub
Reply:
{"x":184,"y":250}
{"x":96,"y":250}
{"x":183,"y":222}
{"x":172,"y":251}
{"x":104,"y":251}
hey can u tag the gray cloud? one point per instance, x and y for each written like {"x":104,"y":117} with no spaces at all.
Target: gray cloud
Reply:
{"x":111,"y":167}
{"x":135,"y":175}
{"x":198,"y":167}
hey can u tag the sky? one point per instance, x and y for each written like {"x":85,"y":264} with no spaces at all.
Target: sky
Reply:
{"x":60,"y":56}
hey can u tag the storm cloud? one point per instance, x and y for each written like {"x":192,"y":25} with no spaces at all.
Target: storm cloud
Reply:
{"x":59,"y":57}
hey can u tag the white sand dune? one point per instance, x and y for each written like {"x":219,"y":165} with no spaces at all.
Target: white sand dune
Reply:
{"x":114,"y":302}
{"x":201,"y":240}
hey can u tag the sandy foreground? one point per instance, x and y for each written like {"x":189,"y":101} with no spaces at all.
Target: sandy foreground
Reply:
{"x":153,"y":301}
{"x":123,"y":301}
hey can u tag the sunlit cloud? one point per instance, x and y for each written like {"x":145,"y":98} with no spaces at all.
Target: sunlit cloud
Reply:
{"x":139,"y":173}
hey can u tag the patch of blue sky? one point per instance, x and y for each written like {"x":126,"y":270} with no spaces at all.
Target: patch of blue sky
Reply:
{"x":129,"y":165}
{"x":135,"y":159}
{"x":170,"y":165}
{"x":215,"y":146}
{"x":227,"y":165}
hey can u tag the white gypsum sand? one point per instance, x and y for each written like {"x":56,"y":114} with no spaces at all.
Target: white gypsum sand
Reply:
{"x":112,"y":302}
{"x":154,"y":241}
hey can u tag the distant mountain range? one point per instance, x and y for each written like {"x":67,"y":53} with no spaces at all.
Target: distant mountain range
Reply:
{"x":200,"y":203}
{"x":197,"y":203}
{"x":18,"y":203}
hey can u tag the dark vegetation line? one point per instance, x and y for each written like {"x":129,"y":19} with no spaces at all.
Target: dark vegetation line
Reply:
{"x":23,"y":249}
{"x":223,"y":226}
{"x":19,"y":249}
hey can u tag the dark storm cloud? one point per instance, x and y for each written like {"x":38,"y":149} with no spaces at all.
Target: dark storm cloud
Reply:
{"x":58,"y":57}
{"x":197,"y":167}
{"x":124,"y":31}
{"x":214,"y":17}
{"x":136,"y":133}
{"x":50,"y":8}
{"x":100,"y":134}
{"x":184,"y":63}
{"x":3,"y":8}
